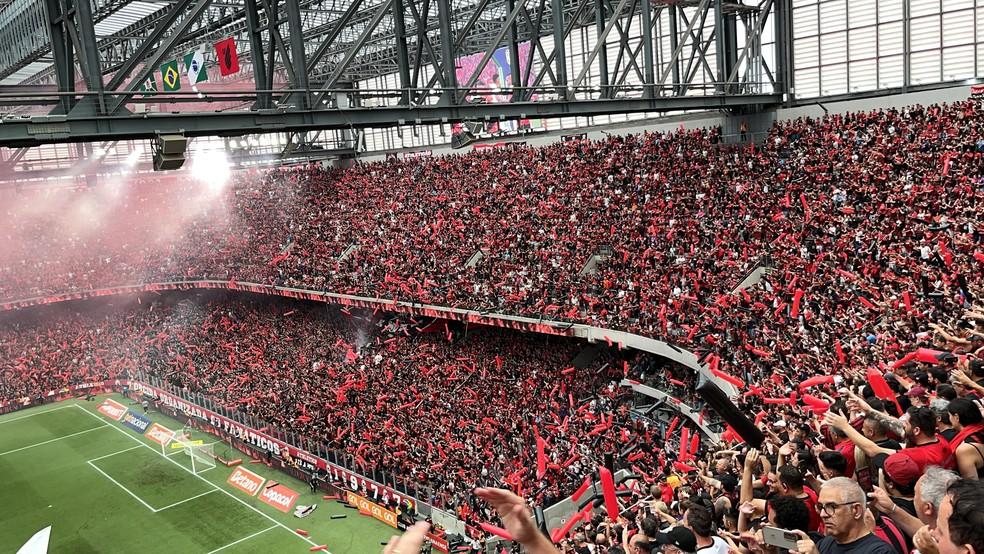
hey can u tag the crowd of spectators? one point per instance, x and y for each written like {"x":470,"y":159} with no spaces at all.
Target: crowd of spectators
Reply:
{"x":858,"y":354}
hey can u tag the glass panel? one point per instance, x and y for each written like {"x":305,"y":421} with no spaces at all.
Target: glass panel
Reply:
{"x":958,"y":63}
{"x":806,"y":53}
{"x":833,"y":49}
{"x":925,"y":33}
{"x":863,"y":43}
{"x":888,"y":10}
{"x":863,"y":75}
{"x":890,"y":39}
{"x":805,"y":21}
{"x":862,"y":13}
{"x":807,"y":83}
{"x":923,"y":7}
{"x":958,"y":28}
{"x":925,"y":67}
{"x":833,"y":16}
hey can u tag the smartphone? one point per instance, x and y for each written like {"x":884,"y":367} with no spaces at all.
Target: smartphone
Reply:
{"x":780,"y":538}
{"x":863,"y":476}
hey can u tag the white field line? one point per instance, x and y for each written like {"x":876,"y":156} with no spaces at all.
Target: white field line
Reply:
{"x":243,"y":539}
{"x":183,"y":501}
{"x":35,"y":414}
{"x":113,"y":454}
{"x":52,"y":440}
{"x":120,"y":485}
{"x":213,"y":485}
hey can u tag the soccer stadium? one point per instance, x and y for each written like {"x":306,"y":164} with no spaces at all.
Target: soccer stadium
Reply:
{"x":492,"y":276}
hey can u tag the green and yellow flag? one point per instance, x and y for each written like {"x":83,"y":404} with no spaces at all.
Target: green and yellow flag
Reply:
{"x":170,"y":76}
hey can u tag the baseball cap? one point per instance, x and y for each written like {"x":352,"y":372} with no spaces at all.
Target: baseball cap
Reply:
{"x":916,"y":391}
{"x":902,"y":469}
{"x":678,"y":536}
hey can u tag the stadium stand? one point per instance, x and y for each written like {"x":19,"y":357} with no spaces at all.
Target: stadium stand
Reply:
{"x":870,"y":222}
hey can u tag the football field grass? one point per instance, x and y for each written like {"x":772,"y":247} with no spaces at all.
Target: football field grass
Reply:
{"x":104,"y":488}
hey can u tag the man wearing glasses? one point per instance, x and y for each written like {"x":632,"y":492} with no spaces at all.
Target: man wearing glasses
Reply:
{"x":842,"y":506}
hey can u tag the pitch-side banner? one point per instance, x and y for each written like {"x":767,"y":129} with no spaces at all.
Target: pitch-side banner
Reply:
{"x":279,"y":496}
{"x":136,"y":422}
{"x":246,"y":481}
{"x":112,"y":409}
{"x":376,"y":491}
{"x":375,"y":510}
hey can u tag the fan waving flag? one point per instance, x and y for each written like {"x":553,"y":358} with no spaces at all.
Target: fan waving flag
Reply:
{"x":195,"y":67}
{"x":170,"y":76}
{"x":225,"y":51}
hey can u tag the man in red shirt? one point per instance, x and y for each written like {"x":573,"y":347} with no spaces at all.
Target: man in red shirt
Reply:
{"x":922,"y":444}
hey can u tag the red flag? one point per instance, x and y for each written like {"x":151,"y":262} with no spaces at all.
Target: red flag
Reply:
{"x":797,"y":297}
{"x":840,"y":352}
{"x":684,"y":439}
{"x":225,"y":53}
{"x":541,"y":457}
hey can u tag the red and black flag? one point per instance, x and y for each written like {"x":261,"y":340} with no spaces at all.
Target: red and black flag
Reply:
{"x":225,"y":53}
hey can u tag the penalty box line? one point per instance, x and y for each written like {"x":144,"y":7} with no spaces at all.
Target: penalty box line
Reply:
{"x":216,"y":487}
{"x":56,"y":439}
{"x":34,"y":414}
{"x":133,"y":494}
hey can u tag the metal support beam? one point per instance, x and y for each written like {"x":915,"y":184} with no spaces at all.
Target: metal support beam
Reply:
{"x":784,"y":49}
{"x":447,"y":52}
{"x":89,"y":53}
{"x":603,"y":49}
{"x":329,"y":41}
{"x":701,"y":9}
{"x":63,"y":55}
{"x":422,"y":40}
{"x":263,"y":100}
{"x":162,"y":52}
{"x":354,"y":49}
{"x":721,"y":50}
{"x":49,"y":130}
{"x":297,"y":57}
{"x":674,"y":43}
{"x":515,"y":64}
{"x":560,"y":48}
{"x":141,"y":52}
{"x":276,"y":44}
{"x":648,"y":69}
{"x":548,"y":60}
{"x":600,"y":45}
{"x":906,"y":44}
{"x":402,"y":55}
{"x":490,"y":51}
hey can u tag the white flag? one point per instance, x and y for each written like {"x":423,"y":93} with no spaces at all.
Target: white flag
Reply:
{"x":195,"y":67}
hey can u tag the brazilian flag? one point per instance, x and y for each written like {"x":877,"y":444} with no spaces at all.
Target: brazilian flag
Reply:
{"x":170,"y":76}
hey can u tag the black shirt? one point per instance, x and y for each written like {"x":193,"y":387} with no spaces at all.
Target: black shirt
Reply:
{"x":890,"y":444}
{"x":869,"y":544}
{"x":948,"y":434}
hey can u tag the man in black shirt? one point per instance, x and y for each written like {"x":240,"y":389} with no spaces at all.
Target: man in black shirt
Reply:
{"x":842,"y":506}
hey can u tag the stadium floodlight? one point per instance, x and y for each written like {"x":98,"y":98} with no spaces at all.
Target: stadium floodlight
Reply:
{"x":211,"y":166}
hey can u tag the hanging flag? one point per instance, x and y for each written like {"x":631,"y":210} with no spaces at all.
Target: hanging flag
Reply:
{"x":149,"y":86}
{"x":225,"y":51}
{"x":170,"y":76}
{"x":195,"y":67}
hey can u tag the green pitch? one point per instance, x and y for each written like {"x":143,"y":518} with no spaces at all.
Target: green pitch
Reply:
{"x":104,"y":488}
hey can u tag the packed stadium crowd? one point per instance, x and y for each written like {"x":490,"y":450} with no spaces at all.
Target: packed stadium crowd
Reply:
{"x":858,"y":355}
